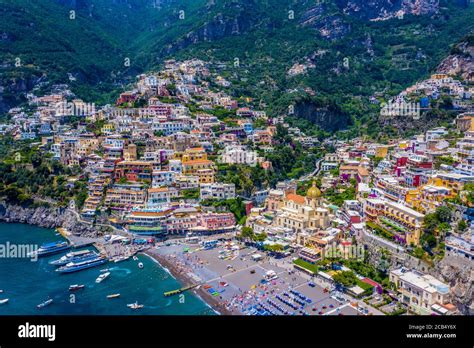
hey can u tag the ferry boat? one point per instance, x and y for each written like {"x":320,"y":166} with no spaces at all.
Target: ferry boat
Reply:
{"x":74,"y":256}
{"x":4,"y":301}
{"x":113,"y":296}
{"x":135,"y":305}
{"x":79,"y":266}
{"x":102,"y":277}
{"x":50,"y":248}
{"x":75,"y":287}
{"x":45,"y":303}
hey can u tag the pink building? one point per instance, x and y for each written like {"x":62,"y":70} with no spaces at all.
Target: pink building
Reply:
{"x":216,"y":221}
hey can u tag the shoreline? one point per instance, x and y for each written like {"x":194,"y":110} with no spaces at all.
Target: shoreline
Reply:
{"x":185,"y":280}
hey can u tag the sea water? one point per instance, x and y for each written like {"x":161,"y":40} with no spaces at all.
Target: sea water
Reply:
{"x":27,"y":283}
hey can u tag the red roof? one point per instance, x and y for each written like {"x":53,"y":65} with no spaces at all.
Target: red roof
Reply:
{"x":371,"y":282}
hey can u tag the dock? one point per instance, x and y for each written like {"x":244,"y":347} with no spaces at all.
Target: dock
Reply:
{"x":179,"y":291}
{"x":75,"y":241}
{"x":63,"y":232}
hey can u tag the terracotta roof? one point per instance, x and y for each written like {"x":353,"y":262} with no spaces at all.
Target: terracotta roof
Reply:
{"x":158,"y":189}
{"x":348,"y":168}
{"x":148,"y":213}
{"x":295,"y":198}
{"x":193,"y":149}
{"x":197,"y":162}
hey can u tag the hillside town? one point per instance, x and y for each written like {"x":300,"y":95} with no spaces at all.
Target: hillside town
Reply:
{"x":372,"y":221}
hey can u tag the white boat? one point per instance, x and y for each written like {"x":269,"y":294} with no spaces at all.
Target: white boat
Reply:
{"x":75,"y":287}
{"x":140,"y":265}
{"x":105,"y":270}
{"x":121,"y":258}
{"x":45,"y":303}
{"x":4,"y":301}
{"x":102,"y":277}
{"x":135,"y":305}
{"x":135,"y":258}
{"x":113,"y":296}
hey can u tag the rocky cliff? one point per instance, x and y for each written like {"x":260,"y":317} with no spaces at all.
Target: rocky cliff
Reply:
{"x":14,"y":88}
{"x":458,"y":272}
{"x":461,"y":60}
{"x":334,"y":22}
{"x":328,"y":117}
{"x":50,"y":218}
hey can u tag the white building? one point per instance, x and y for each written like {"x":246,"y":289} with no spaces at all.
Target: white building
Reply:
{"x":327,"y":166}
{"x":236,"y":154}
{"x":217,"y":191}
{"x":160,"y":195}
{"x":422,"y":293}
{"x":163,"y":178}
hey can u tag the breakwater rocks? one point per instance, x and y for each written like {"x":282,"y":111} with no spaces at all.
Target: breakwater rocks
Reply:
{"x":50,"y":217}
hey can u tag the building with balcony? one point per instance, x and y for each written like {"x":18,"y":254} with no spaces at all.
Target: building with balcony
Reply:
{"x":216,"y":191}
{"x":402,"y":222}
{"x":134,"y":170}
{"x":236,"y":154}
{"x":422,"y":293}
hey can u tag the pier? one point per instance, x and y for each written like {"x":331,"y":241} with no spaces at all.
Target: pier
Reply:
{"x":179,"y":291}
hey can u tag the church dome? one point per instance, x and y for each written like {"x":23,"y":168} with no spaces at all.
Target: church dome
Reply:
{"x":313,"y":192}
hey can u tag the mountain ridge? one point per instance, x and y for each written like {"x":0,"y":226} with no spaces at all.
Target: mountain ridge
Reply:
{"x":266,"y":37}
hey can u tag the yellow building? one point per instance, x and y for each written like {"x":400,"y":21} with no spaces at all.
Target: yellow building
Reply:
{"x":453,"y":181}
{"x":403,"y":144}
{"x":108,"y":128}
{"x":130,"y":153}
{"x":192,"y":167}
{"x":194,"y":154}
{"x":381,"y":151}
{"x":428,"y":197}
{"x":300,"y":213}
{"x":406,"y":219}
{"x":206,"y":176}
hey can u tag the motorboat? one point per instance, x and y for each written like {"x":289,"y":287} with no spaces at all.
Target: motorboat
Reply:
{"x":102,"y":277}
{"x":75,"y":287}
{"x":121,"y":258}
{"x":45,"y":303}
{"x":113,"y":296}
{"x":4,"y":301}
{"x":135,"y":305}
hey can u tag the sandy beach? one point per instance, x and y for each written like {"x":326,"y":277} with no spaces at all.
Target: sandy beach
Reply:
{"x":186,"y":280}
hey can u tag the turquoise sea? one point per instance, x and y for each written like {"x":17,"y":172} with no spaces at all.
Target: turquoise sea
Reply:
{"x":26,"y":284}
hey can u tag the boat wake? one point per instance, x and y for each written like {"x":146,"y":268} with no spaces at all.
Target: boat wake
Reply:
{"x":123,"y":270}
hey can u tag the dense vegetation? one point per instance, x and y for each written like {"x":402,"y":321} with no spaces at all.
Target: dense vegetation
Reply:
{"x":29,"y":177}
{"x":94,"y":47}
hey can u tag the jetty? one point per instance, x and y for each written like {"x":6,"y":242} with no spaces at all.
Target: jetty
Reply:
{"x":179,"y":291}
